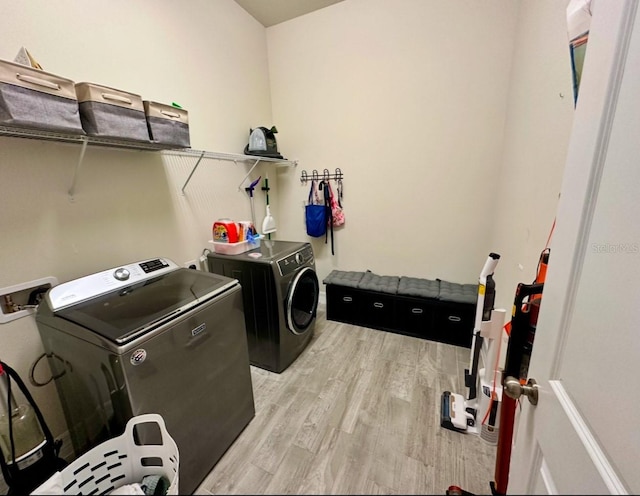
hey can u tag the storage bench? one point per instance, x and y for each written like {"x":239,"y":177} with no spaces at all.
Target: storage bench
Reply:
{"x":430,"y":309}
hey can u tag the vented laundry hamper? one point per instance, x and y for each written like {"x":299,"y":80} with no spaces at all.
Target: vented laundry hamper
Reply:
{"x":120,"y":461}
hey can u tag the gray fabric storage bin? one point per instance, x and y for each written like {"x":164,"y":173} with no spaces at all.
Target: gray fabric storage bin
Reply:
{"x":36,"y":99}
{"x":167,"y":125}
{"x":111,"y":113}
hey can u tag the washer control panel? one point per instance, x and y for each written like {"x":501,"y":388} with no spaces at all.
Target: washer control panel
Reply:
{"x":87,"y":287}
{"x":296,"y":260}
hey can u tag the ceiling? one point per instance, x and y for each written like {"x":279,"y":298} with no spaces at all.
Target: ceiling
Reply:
{"x":270,"y":12}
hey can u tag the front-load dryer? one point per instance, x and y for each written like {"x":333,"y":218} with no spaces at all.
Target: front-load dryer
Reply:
{"x":280,"y":294}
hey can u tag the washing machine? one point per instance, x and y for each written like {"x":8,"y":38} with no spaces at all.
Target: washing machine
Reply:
{"x":151,"y":337}
{"x":280,"y":293}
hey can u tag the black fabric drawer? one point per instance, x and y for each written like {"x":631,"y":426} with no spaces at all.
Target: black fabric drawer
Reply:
{"x":414,"y":316}
{"x":453,"y":323}
{"x":377,"y":310}
{"x":342,"y":303}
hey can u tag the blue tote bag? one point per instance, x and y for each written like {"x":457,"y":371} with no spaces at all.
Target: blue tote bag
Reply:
{"x":316,"y":213}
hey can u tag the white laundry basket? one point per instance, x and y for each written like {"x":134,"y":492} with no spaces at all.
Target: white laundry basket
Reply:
{"x":118,"y":462}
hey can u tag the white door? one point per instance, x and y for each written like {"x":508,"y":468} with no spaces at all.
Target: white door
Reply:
{"x":583,"y":437}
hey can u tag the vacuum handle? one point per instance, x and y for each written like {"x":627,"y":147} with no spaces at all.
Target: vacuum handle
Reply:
{"x":522,"y":331}
{"x":489,"y":267}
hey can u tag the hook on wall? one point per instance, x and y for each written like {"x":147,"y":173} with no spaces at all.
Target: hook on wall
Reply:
{"x":326,"y":175}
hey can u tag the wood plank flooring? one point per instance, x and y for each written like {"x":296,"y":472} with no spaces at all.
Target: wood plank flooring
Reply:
{"x":357,"y":413}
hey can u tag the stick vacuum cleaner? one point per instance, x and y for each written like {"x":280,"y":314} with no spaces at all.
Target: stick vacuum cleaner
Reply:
{"x":478,"y":413}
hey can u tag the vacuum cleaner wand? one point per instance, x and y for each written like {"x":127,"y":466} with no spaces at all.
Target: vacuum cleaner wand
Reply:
{"x":486,"y":298}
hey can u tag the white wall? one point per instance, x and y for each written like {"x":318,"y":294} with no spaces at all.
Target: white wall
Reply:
{"x":448,"y":122}
{"x":409,"y":99}
{"x":538,"y":125}
{"x":211,"y":58}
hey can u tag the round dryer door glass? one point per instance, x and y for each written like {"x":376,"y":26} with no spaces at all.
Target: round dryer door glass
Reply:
{"x":302,"y":301}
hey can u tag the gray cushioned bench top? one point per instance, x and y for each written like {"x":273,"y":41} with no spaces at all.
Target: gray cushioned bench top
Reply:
{"x":344,"y":278}
{"x":405,"y":286}
{"x":458,"y":293}
{"x":422,"y":288}
{"x":382,"y":284}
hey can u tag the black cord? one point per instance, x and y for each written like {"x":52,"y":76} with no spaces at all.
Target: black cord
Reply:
{"x":32,"y":370}
{"x":10,"y":419}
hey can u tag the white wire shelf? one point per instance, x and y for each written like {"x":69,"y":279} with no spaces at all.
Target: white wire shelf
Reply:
{"x":233,"y":157}
{"x":39,"y":134}
{"x":86,"y":140}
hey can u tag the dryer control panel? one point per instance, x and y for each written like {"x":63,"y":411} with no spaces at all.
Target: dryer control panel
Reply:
{"x":296,"y":260}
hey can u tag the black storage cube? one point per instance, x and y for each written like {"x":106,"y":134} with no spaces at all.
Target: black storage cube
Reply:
{"x":376,"y":310}
{"x":453,"y":323}
{"x":342,"y":303}
{"x":414,"y":316}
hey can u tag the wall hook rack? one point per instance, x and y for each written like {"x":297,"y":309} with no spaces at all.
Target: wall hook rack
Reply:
{"x":337,"y":175}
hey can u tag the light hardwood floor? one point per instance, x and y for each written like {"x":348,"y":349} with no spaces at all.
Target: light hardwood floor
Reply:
{"x":357,"y":413}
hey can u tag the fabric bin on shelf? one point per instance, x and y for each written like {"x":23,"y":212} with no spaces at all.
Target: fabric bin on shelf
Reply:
{"x":167,"y":124}
{"x":111,"y":113}
{"x":32,"y":98}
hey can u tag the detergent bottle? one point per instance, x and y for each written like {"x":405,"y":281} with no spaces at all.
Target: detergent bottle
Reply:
{"x":225,"y":231}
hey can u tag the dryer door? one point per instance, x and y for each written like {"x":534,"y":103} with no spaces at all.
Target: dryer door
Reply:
{"x":302,"y":300}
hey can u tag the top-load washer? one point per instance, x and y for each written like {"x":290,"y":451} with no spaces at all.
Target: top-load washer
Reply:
{"x":151,"y":337}
{"x":280,"y":292}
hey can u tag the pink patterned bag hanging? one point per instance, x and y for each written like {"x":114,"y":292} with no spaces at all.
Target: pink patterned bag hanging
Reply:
{"x":337,"y":214}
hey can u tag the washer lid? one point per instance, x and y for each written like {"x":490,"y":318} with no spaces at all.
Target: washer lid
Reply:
{"x":133,"y":310}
